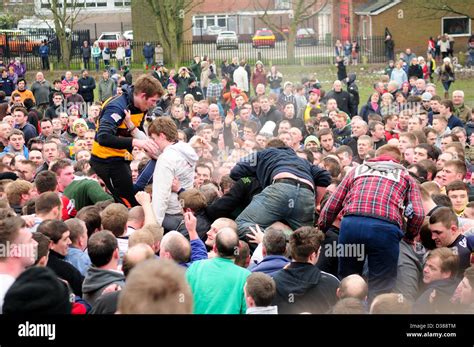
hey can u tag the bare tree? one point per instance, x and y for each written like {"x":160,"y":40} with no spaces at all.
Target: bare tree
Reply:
{"x":170,"y":24}
{"x":442,"y":8}
{"x":300,"y":11}
{"x":65,"y":15}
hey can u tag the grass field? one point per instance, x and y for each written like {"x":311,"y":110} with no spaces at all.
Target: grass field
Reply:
{"x":326,"y":74}
{"x":367,"y":75}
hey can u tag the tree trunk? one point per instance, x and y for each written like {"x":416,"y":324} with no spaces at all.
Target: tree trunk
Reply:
{"x":290,"y":44}
{"x":65,"y":50}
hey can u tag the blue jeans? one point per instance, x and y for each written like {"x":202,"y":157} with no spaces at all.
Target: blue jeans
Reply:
{"x":275,"y":90}
{"x":149,"y":61}
{"x":278,"y":202}
{"x":470,"y":61}
{"x":97,"y":63}
{"x":380,"y":241}
{"x":446,"y":85}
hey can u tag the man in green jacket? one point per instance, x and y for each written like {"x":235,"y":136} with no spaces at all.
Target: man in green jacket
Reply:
{"x":86,"y":191}
{"x":218,"y":284}
{"x":106,"y":86}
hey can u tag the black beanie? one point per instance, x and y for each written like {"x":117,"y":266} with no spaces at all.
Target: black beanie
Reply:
{"x":37,"y":291}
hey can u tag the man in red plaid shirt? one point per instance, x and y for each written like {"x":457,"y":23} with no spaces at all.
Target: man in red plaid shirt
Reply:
{"x":374,"y":200}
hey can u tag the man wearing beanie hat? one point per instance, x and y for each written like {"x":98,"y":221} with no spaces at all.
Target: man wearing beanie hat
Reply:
{"x":79,"y":127}
{"x":194,"y":90}
{"x":37,"y":291}
{"x":311,"y":141}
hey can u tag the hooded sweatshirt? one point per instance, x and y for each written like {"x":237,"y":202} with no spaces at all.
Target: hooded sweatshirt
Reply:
{"x":177,"y":160}
{"x":97,"y":280}
{"x":310,"y":289}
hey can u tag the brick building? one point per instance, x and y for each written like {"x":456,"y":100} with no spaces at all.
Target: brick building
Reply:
{"x":410,"y":26}
{"x":241,"y":16}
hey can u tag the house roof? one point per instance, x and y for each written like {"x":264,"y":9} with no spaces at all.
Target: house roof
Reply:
{"x":375,"y":7}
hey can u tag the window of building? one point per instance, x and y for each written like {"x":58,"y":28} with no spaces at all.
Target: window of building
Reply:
{"x":456,"y":26}
{"x":222,"y":21}
{"x":122,"y":3}
{"x":210,"y":21}
{"x":364,"y":29}
{"x":46,"y":4}
{"x":282,"y":4}
{"x":198,"y":22}
{"x":91,"y":3}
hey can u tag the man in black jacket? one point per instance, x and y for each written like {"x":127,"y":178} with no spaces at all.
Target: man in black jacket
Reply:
{"x":301,"y":286}
{"x":344,"y":99}
{"x":86,"y":86}
{"x":269,"y":113}
{"x":58,"y":232}
{"x":86,"y":53}
{"x":439,"y":275}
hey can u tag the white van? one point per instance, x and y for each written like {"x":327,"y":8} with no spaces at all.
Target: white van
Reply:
{"x":33,"y":24}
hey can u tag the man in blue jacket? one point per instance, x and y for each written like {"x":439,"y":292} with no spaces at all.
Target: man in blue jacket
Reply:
{"x":292,"y":187}
{"x":44,"y":54}
{"x":148,"y":52}
{"x":274,"y":250}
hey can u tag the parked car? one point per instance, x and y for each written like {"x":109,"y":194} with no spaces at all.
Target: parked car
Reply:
{"x":128,"y":35}
{"x":227,"y":39}
{"x":20,"y":42}
{"x":263,"y":37}
{"x":306,"y":37}
{"x":113,"y":39}
{"x":214,"y":30}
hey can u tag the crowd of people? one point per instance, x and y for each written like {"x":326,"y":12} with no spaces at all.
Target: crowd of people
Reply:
{"x":236,"y":191}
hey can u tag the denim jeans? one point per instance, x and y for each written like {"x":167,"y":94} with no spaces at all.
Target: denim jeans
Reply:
{"x":86,"y":62}
{"x":446,"y":85}
{"x":97,"y":63}
{"x":380,"y":241}
{"x":275,"y":90}
{"x":470,"y":60}
{"x":149,"y":61}
{"x":284,"y":202}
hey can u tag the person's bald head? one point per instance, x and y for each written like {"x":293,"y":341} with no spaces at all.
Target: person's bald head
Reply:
{"x":176,"y":247}
{"x":280,"y":226}
{"x":135,"y":255}
{"x":227,"y":243}
{"x":353,"y":286}
{"x":136,"y":214}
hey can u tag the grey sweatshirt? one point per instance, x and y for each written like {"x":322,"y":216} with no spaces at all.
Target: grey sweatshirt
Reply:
{"x":97,"y":280}
{"x":177,"y":160}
